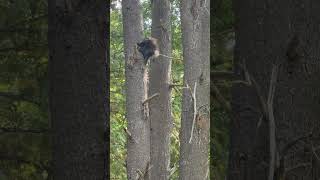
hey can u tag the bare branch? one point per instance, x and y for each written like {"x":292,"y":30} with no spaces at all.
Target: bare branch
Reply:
{"x":315,"y":153}
{"x":194,"y":109}
{"x":150,"y":98}
{"x":28,"y":20}
{"x":223,"y":75}
{"x":18,"y":130}
{"x":129,"y":135}
{"x":23,"y":48}
{"x":302,"y":165}
{"x":292,"y":143}
{"x":175,"y":85}
{"x":173,"y":170}
{"x":220,"y":98}
{"x":18,"y":97}
{"x":19,"y":30}
{"x":140,"y":174}
{"x":267,"y":107}
{"x":21,"y":160}
{"x":272,"y":126}
{"x":11,"y":95}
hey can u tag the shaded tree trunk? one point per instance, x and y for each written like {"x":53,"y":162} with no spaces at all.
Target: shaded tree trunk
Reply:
{"x":283,"y":33}
{"x":160,"y":107}
{"x":78,"y":88}
{"x":195,"y":122}
{"x":138,"y":134}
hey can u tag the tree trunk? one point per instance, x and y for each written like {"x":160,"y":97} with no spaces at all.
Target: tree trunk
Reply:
{"x":284,"y":34}
{"x":138,"y":141}
{"x":78,"y":88}
{"x":195,"y":122}
{"x":160,"y":107}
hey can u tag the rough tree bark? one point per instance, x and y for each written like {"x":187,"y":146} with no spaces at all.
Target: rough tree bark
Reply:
{"x":138,"y":133}
{"x":160,"y":107}
{"x":284,"y":33}
{"x":194,"y":136}
{"x":78,"y":88}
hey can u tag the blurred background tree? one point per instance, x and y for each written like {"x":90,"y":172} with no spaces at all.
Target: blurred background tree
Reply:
{"x":24,"y":123}
{"x":222,"y":43}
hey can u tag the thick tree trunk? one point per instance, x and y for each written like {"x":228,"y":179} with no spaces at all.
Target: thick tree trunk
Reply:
{"x":138,"y":141}
{"x":78,"y":88}
{"x":194,"y":136}
{"x":264,"y":34}
{"x":160,"y":107}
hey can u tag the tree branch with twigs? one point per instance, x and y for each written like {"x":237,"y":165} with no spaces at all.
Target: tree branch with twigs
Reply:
{"x":267,"y":107}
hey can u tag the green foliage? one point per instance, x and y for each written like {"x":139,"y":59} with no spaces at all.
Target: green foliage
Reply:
{"x":222,"y":21}
{"x":220,"y":144}
{"x":222,"y":16}
{"x":146,"y":13}
{"x":117,"y":98}
{"x":23,"y":90}
{"x":222,"y":35}
{"x":117,"y":82}
{"x":177,"y":78}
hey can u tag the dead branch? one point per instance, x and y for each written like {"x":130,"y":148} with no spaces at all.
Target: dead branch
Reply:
{"x":141,"y":174}
{"x":10,"y":95}
{"x":173,"y":170}
{"x":280,"y":170}
{"x":205,"y":107}
{"x":288,"y":146}
{"x":267,"y":108}
{"x":302,"y":165}
{"x":169,"y":57}
{"x":223,"y":75}
{"x":207,"y":173}
{"x":28,"y":20}
{"x":220,"y":98}
{"x":241,"y":82}
{"x":150,"y":98}
{"x":129,"y":134}
{"x":23,"y":48}
{"x":21,"y":160}
{"x":259,"y":123}
{"x":17,"y":97}
{"x":19,"y":130}
{"x":315,"y":153}
{"x":194,"y":109}
{"x":251,"y":81}
{"x":175,"y":85}
{"x":272,"y":126}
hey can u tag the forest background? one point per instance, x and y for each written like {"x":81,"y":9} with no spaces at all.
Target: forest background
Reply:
{"x":25,"y":148}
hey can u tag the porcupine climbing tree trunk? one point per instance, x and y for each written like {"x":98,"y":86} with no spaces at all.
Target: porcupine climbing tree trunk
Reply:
{"x":138,"y":131}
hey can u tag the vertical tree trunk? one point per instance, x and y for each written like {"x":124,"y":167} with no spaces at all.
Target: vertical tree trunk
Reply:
{"x":138,"y":141}
{"x":78,"y":88}
{"x":269,"y":33}
{"x":160,"y":107}
{"x":195,"y":122}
